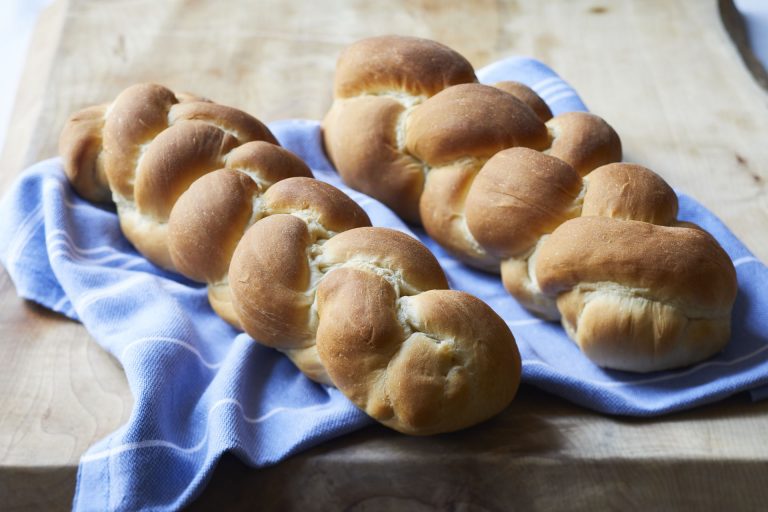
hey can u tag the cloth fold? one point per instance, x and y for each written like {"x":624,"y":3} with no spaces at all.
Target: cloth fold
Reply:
{"x":201,"y":388}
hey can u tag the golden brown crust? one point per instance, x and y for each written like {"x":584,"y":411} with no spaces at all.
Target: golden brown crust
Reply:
{"x":147,"y":147}
{"x":361,"y":310}
{"x":173,"y":160}
{"x":636,"y":296}
{"x":527,"y":96}
{"x":442,"y":213}
{"x":435,"y":362}
{"x":207,"y":222}
{"x":358,"y":333}
{"x":183,"y":97}
{"x":489,"y":204}
{"x":463,"y":335}
{"x":307,"y":360}
{"x":518,"y":196}
{"x":384,"y":139}
{"x":81,"y":151}
{"x":220,"y":297}
{"x":191,"y":184}
{"x":669,"y":264}
{"x":636,"y":334}
{"x":269,"y":275}
{"x":389,"y":251}
{"x":324,"y":206}
{"x":148,"y":236}
{"x":360,"y":136}
{"x":407,"y":148}
{"x":210,"y":217}
{"x":266,"y":162}
{"x":137,"y":116}
{"x":471,"y":120}
{"x":583,"y":140}
{"x":517,"y":280}
{"x":399,"y":63}
{"x":237,"y":123}
{"x":629,"y":191}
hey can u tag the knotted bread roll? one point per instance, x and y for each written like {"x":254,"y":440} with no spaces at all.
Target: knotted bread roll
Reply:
{"x":638,"y":296}
{"x":498,"y":181}
{"x":205,"y":190}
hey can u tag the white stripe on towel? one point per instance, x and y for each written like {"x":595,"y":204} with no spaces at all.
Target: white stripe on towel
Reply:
{"x":554,"y":90}
{"x":745,"y":259}
{"x":174,"y":341}
{"x":92,"y":261}
{"x":59,"y":306}
{"x":72,"y":205}
{"x":559,"y":97}
{"x":542,"y":84}
{"x":67,"y":239}
{"x":134,"y":262}
{"x":159,"y":443}
{"x":89,"y":298}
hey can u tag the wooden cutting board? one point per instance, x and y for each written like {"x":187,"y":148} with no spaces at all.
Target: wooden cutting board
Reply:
{"x":666,"y":74}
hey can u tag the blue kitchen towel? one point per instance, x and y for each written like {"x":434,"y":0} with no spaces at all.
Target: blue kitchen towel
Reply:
{"x":201,"y":388}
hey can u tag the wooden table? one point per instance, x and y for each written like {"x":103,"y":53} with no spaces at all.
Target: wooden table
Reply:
{"x":666,"y":75}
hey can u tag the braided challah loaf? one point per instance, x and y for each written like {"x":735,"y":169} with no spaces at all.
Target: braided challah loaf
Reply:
{"x":146,"y":147}
{"x":410,"y":126}
{"x":365,"y":309}
{"x":205,"y":190}
{"x":149,"y":145}
{"x":368,"y":306}
{"x":504,"y":186}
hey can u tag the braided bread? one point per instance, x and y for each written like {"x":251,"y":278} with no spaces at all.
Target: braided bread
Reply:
{"x":415,"y":135}
{"x":367,"y":310}
{"x":204,"y":189}
{"x":506,"y":187}
{"x":146,"y":147}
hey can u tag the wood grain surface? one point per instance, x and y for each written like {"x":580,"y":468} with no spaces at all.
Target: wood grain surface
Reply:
{"x":665,"y":74}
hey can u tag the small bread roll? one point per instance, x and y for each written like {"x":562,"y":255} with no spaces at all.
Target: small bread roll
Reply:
{"x":636,"y":296}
